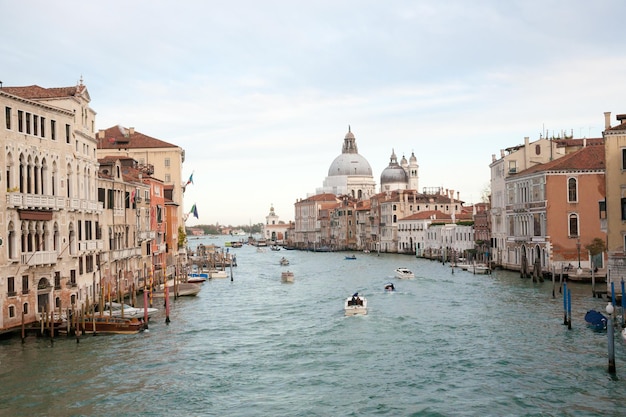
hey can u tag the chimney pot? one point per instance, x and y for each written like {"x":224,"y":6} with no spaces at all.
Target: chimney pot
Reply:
{"x":607,"y":120}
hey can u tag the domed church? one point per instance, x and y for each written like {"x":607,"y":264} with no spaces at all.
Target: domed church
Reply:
{"x":350,"y":173}
{"x":402,"y":176}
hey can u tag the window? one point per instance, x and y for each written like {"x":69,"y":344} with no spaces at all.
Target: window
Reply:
{"x":623,"y":201}
{"x":20,"y":121}
{"x":573,"y":225}
{"x":167,"y":162}
{"x":572,"y":190}
{"x":43,"y":127}
{"x":73,"y":278}
{"x":11,"y":286}
{"x":624,"y":158}
{"x":602,"y":205}
{"x":67,"y":133}
{"x":512,"y":167}
{"x":35,"y":125}
{"x":7,"y":116}
{"x":11,"y":311}
{"x":57,"y":280}
{"x":53,"y":129}
{"x":25,"y":308}
{"x":25,"y":284}
{"x":537,"y":149}
{"x":168,"y":178}
{"x":28,"y":123}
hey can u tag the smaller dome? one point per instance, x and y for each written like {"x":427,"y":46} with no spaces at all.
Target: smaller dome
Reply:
{"x":394,"y":173}
{"x":413,"y":159}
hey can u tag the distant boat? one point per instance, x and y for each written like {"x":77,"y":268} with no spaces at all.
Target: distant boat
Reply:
{"x":404,"y":273}
{"x":184,"y":289}
{"x":284,"y":261}
{"x":287,"y":276}
{"x":390,"y":287}
{"x":351,"y":257}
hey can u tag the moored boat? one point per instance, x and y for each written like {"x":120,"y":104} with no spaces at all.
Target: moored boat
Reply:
{"x":596,"y":320}
{"x":111,"y":325}
{"x":197,"y":277}
{"x":404,"y":273}
{"x":184,"y":290}
{"x":218,"y":273}
{"x":113,"y":309}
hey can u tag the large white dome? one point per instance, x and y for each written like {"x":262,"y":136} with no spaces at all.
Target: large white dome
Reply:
{"x":349,"y":162}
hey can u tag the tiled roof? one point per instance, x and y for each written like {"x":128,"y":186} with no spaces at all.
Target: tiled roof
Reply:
{"x":589,"y":158}
{"x":429,"y":214}
{"x":621,"y":126}
{"x":33,"y":92}
{"x":118,"y":137}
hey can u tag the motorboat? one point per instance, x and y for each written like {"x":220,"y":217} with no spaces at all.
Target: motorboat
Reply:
{"x":355,"y":305}
{"x":113,"y":309}
{"x":390,"y":287}
{"x":404,"y":273}
{"x":351,"y":257}
{"x":284,"y":261}
{"x":197,"y":277}
{"x":184,"y":290}
{"x":287,"y":276}
{"x":218,"y":273}
{"x":112,"y":325}
{"x":479,"y":269}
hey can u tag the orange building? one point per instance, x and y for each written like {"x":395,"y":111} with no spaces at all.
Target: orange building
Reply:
{"x":552,"y":212}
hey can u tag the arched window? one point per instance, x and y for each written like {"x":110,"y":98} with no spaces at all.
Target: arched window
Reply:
{"x":573,"y":225}
{"x":572,"y":190}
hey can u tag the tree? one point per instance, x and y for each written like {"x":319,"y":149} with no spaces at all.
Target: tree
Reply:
{"x":182,"y":237}
{"x":596,"y":246}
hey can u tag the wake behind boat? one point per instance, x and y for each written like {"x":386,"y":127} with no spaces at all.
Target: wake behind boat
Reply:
{"x":596,"y":320}
{"x":355,"y":305}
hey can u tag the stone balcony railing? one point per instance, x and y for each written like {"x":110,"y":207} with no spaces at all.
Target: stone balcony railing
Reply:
{"x":39,"y":258}
{"x":49,"y":202}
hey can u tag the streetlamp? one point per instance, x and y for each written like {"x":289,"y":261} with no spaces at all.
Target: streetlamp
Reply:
{"x":611,"y":342}
{"x":578,"y":248}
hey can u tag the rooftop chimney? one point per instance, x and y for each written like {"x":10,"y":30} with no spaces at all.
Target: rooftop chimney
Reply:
{"x":607,"y":120}
{"x":131,"y":130}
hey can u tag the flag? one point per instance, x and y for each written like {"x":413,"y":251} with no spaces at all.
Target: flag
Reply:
{"x":190,"y":180}
{"x":194,"y":211}
{"x":132,"y":196}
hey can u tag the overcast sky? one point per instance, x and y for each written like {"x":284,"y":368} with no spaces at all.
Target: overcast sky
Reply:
{"x":260,"y":93}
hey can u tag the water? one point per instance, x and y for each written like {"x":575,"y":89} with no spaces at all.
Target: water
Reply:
{"x":442,"y":345}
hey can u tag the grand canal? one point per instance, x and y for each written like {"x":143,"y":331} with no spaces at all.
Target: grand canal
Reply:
{"x":443,"y":344}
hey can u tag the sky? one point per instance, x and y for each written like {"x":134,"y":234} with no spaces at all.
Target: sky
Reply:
{"x":261,"y":94}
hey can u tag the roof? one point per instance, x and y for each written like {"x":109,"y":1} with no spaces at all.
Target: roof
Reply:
{"x":589,"y":158}
{"x":33,"y":92}
{"x":119,"y":137}
{"x":428,"y":215}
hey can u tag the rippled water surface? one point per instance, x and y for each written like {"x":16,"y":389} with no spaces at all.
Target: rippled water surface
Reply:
{"x":442,"y":345}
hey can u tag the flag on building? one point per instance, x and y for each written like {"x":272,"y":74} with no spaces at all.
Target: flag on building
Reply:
{"x":189,"y":181}
{"x":194,"y":211}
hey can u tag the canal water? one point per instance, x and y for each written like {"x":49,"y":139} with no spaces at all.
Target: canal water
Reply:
{"x":443,"y":344}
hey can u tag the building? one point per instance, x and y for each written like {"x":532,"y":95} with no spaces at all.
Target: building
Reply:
{"x":51,"y":230}
{"x":552,"y":212}
{"x":275,"y":230}
{"x":614,"y":206}
{"x":349,"y":173}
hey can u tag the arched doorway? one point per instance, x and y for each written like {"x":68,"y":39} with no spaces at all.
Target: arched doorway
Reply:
{"x":43,"y":294}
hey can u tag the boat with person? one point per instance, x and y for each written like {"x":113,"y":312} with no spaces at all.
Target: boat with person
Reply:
{"x":351,"y":257}
{"x":287,"y":276}
{"x":284,"y":261}
{"x":390,"y":287}
{"x":404,"y":273}
{"x":355,"y":305}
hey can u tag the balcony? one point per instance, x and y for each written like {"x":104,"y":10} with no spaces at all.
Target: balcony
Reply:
{"x":49,"y":202}
{"x":147,"y":235}
{"x":128,"y":253}
{"x":90,"y":245}
{"x":39,"y":258}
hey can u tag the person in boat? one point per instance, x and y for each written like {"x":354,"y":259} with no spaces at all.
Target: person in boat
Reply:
{"x":355,"y":299}
{"x":390,"y":287}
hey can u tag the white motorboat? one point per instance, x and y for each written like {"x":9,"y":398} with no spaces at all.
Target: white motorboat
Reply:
{"x":479,"y":269}
{"x":404,"y":273}
{"x":355,"y":305}
{"x":218,"y":273}
{"x":287,"y":276}
{"x":113,"y":309}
